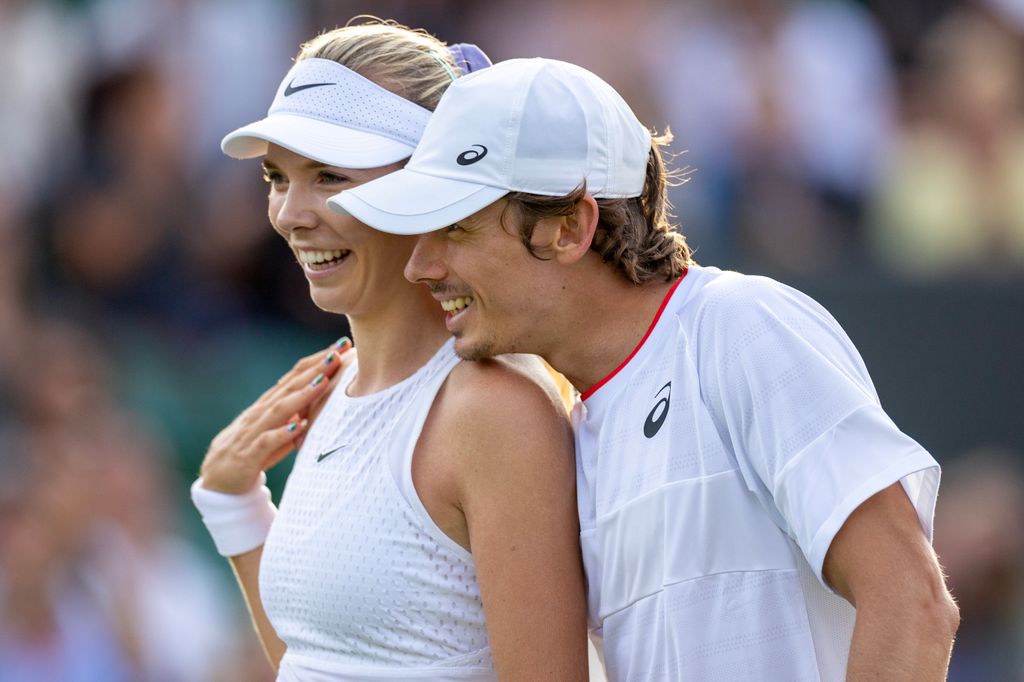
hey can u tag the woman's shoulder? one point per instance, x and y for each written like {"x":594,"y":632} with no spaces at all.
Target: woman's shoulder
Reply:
{"x":500,"y":409}
{"x":507,"y":386}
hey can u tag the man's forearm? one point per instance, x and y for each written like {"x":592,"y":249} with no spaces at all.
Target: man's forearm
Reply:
{"x":903,"y":641}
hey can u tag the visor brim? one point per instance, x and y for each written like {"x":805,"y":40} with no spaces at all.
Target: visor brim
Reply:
{"x":325,"y":142}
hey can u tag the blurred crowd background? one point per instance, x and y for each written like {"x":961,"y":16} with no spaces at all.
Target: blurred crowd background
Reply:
{"x":870,"y":153}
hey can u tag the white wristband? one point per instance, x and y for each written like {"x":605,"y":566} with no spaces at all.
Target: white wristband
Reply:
{"x":237,"y":523}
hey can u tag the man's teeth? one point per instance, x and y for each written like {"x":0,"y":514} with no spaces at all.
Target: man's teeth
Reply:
{"x":454,"y":305}
{"x":320,"y":256}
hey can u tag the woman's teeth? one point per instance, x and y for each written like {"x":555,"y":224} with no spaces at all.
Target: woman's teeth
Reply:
{"x":318,"y":257}
{"x":454,"y":305}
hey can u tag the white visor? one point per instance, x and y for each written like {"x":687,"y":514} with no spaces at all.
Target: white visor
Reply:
{"x":318,"y":140}
{"x":329,"y":113}
{"x":432,"y":202}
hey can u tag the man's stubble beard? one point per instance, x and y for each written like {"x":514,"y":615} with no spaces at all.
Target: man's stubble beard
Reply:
{"x":478,"y":351}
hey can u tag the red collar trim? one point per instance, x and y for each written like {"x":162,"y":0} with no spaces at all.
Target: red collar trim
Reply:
{"x":593,"y":389}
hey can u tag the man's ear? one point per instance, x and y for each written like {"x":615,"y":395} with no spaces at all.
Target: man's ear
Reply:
{"x":575,"y":232}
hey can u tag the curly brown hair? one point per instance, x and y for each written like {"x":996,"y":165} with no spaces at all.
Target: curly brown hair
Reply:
{"x":634,"y":235}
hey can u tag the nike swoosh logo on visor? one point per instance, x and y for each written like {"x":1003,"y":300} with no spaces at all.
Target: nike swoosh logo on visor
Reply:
{"x":291,"y":88}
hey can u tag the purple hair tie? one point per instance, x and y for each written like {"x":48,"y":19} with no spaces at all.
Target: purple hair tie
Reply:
{"x":468,"y":57}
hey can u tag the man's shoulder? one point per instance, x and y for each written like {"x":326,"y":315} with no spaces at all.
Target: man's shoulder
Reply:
{"x":715,"y":289}
{"x":727,"y":299}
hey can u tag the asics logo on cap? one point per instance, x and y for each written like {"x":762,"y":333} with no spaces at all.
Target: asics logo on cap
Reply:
{"x":656,"y":417}
{"x":291,"y":88}
{"x":471,"y":155}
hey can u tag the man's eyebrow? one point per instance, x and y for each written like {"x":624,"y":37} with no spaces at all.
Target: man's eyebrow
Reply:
{"x":311,"y":164}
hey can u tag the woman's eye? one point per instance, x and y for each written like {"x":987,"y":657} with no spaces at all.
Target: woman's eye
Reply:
{"x":273,"y":177}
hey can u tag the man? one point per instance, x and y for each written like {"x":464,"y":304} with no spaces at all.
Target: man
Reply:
{"x":747,"y":509}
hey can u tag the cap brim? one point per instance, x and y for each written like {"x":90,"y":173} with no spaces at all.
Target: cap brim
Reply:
{"x":325,"y":142}
{"x":408,"y":202}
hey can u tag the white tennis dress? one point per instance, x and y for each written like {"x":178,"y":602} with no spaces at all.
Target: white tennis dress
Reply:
{"x":356,"y":578}
{"x":714,"y":468}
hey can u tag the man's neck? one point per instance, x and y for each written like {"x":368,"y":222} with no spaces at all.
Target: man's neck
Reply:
{"x":603,"y":320}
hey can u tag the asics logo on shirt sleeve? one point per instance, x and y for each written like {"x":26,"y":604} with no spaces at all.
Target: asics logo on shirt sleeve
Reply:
{"x":656,"y":417}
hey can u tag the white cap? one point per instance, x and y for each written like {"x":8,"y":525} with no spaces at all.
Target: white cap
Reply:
{"x":538,"y":126}
{"x":329,"y":113}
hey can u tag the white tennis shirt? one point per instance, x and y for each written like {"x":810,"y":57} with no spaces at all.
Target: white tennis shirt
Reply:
{"x":356,"y":578}
{"x":714,"y":468}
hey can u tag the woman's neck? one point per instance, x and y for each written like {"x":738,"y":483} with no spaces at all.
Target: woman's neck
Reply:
{"x":393,"y":343}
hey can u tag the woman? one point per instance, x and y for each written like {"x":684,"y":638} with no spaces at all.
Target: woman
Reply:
{"x":428,"y":528}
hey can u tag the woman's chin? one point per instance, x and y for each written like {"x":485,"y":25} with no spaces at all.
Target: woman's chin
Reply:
{"x":327,"y":303}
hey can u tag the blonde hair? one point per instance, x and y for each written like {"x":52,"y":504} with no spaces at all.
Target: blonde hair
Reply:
{"x":566,"y":391}
{"x":409,"y":62}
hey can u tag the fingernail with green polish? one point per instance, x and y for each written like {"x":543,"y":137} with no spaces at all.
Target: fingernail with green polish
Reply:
{"x":293,"y":426}
{"x":330,"y":358}
{"x":342,"y":342}
{"x":318,"y":380}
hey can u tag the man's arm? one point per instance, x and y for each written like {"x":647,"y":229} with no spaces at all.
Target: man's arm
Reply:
{"x":882,"y":563}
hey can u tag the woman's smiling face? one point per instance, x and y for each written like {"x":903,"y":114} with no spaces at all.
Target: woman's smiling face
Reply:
{"x":351,"y":268}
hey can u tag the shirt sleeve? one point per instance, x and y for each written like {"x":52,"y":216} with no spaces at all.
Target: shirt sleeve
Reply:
{"x":792,"y":397}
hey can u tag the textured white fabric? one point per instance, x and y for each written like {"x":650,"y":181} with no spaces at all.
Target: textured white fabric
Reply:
{"x":714,"y":469}
{"x":356,"y":578}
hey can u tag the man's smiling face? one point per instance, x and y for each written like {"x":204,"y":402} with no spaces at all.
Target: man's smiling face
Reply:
{"x":488,"y":283}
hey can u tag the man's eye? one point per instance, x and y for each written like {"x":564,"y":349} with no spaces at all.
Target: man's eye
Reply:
{"x":332,"y":178}
{"x":273,"y":177}
{"x":454,"y":227}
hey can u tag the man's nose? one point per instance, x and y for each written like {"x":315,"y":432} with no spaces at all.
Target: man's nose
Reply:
{"x":426,"y":262}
